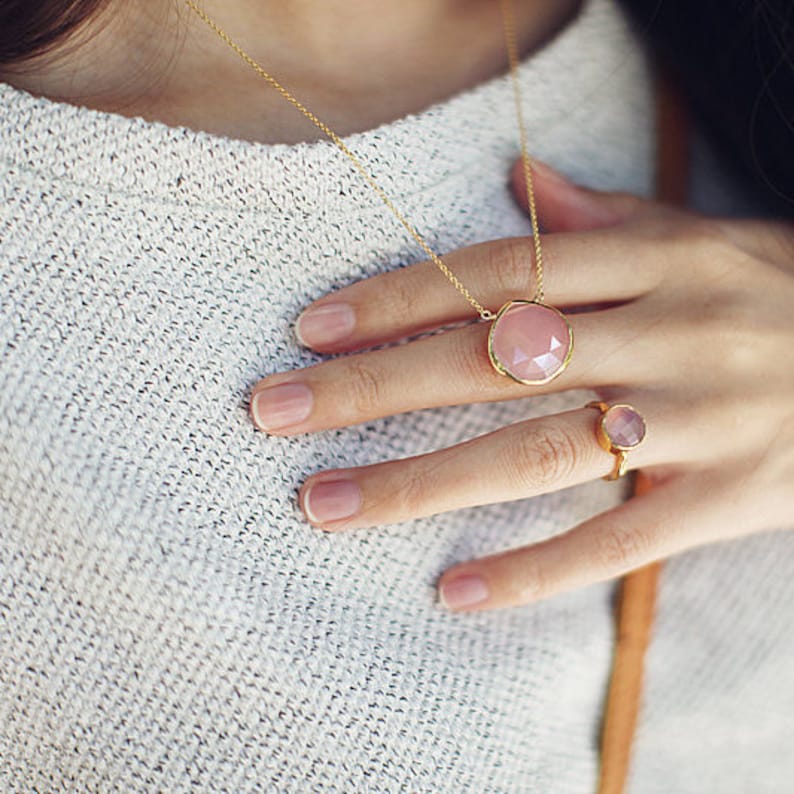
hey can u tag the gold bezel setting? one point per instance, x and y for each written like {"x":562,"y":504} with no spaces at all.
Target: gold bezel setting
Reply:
{"x":500,"y":367}
{"x":620,"y":451}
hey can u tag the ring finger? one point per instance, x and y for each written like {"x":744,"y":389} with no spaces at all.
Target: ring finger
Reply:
{"x":521,"y":460}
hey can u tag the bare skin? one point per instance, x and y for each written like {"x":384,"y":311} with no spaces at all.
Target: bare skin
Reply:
{"x":353,"y":67}
{"x":697,"y":335}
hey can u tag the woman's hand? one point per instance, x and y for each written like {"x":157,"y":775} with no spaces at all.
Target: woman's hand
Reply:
{"x":689,"y":319}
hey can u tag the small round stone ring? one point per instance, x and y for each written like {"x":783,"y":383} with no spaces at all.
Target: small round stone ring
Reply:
{"x":620,"y":429}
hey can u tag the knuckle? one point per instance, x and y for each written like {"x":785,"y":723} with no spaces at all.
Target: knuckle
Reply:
{"x":619,"y":547}
{"x":737,"y":337}
{"x":727,"y":322}
{"x":733,"y":331}
{"x":365,"y":389}
{"x":467,"y":362}
{"x":697,"y":241}
{"x":710,"y":249}
{"x":415,"y":491}
{"x":402,"y":296}
{"x":512,"y":265}
{"x":539,"y":456}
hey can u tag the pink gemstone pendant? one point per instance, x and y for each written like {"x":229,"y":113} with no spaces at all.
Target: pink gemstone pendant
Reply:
{"x":530,"y":342}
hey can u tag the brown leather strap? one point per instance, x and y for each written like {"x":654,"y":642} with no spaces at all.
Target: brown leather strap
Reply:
{"x":636,"y":601}
{"x":635,"y":612}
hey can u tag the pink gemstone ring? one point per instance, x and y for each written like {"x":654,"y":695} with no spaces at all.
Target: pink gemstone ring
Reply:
{"x":620,"y":429}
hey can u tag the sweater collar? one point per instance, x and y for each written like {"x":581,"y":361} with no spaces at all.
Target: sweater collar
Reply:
{"x":111,"y":153}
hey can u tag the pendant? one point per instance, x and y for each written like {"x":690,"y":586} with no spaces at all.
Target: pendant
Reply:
{"x":530,"y":341}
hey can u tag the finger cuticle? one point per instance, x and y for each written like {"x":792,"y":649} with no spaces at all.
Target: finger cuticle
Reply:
{"x":331,"y":500}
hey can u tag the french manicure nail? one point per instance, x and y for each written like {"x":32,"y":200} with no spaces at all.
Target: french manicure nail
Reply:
{"x":324,"y":323}
{"x":463,"y":591}
{"x":327,"y":501}
{"x":279,"y":406}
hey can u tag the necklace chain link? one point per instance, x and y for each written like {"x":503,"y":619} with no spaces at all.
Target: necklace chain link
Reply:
{"x":509,"y":27}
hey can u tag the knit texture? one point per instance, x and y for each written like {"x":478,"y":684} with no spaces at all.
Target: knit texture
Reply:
{"x":169,"y":620}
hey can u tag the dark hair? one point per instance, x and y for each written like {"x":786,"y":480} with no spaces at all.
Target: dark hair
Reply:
{"x":29,"y":28}
{"x":733,"y":59}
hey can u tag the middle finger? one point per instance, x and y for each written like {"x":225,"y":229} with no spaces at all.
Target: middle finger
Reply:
{"x":447,"y":368}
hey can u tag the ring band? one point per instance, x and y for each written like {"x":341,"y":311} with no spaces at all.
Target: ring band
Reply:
{"x":619,"y":429}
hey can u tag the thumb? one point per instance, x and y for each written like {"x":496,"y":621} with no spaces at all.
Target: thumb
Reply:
{"x":564,"y":206}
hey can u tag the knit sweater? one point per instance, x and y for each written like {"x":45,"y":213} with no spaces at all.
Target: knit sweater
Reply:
{"x":170,"y":621}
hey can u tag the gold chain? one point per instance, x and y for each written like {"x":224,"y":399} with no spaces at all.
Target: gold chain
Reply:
{"x":510,"y":35}
{"x":509,"y":27}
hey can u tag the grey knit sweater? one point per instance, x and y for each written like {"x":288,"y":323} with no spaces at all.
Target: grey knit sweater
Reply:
{"x":168,"y":619}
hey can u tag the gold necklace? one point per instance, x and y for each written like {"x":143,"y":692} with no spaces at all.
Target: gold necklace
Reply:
{"x":529,"y":341}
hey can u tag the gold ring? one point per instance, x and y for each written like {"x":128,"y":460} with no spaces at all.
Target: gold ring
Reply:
{"x":620,"y":429}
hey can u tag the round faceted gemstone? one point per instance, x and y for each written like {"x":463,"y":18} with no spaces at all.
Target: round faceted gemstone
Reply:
{"x":624,"y":427}
{"x":530,"y":341}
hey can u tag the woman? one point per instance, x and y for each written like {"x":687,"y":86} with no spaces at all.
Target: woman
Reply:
{"x":178,"y":610}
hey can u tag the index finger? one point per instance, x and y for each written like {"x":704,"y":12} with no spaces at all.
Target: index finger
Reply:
{"x":581,"y":268}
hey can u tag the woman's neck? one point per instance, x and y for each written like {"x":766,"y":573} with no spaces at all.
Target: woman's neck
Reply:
{"x":352,"y":62}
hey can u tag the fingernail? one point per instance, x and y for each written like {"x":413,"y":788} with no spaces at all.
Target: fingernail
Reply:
{"x":327,"y":501}
{"x":325,"y":323}
{"x":463,"y":591}
{"x":282,"y":405}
